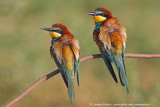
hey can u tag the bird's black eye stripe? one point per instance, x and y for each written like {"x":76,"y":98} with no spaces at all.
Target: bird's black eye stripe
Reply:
{"x":57,"y":30}
{"x":105,"y":15}
{"x":102,"y":14}
{"x":54,"y":30}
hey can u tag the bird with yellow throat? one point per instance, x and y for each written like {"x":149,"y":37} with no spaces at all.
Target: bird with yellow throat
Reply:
{"x":65,"y":51}
{"x":110,"y":37}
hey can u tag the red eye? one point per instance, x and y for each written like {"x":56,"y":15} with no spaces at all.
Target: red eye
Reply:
{"x":102,"y":14}
{"x":57,"y":30}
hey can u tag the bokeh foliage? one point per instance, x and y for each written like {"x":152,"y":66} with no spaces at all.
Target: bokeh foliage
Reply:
{"x":24,"y":52}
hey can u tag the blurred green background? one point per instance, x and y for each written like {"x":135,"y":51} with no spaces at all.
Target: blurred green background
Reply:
{"x":25,"y":57}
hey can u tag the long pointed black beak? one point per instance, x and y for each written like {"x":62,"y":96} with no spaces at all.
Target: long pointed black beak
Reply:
{"x":91,"y":13}
{"x":47,"y":29}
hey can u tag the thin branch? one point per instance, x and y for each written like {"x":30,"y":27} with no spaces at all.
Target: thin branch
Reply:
{"x":46,"y":77}
{"x":129,"y":55}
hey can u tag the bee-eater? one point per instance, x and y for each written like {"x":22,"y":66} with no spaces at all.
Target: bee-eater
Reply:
{"x":65,"y":51}
{"x":110,"y":37}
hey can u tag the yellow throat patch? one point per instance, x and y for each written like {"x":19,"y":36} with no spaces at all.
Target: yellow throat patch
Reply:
{"x":98,"y":18}
{"x":55,"y":34}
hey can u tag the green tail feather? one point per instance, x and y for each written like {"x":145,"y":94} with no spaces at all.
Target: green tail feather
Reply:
{"x":78,"y":78}
{"x":77,"y":71}
{"x":109,"y":66}
{"x":71,"y":92}
{"x":120,"y":77}
{"x":121,"y":70}
{"x":70,"y":80}
{"x":107,"y":59}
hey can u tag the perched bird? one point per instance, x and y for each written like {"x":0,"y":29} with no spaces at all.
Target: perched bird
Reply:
{"x":65,"y":51}
{"x":110,"y":37}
